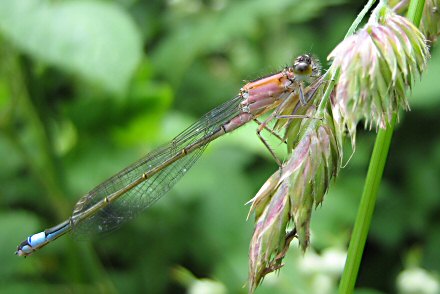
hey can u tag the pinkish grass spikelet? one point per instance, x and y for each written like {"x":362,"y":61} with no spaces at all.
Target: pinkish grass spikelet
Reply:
{"x":376,"y":67}
{"x":430,"y":22}
{"x":289,"y":195}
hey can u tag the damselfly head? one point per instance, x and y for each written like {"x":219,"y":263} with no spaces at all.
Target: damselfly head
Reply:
{"x":306,"y":66}
{"x":23,"y":249}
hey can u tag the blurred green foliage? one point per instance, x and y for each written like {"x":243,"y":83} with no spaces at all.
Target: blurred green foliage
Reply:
{"x":87,"y":87}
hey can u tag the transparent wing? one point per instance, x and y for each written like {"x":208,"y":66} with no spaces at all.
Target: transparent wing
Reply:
{"x":149,"y":191}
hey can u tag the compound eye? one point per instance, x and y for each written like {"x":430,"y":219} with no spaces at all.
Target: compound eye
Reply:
{"x":303,"y":65}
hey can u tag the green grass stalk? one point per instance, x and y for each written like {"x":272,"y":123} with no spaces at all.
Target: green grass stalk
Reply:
{"x":371,"y":187}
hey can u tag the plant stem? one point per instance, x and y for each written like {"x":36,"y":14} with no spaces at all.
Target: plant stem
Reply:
{"x":359,"y":18}
{"x":46,"y":172}
{"x":371,"y":187}
{"x":366,"y":208}
{"x":335,"y":74}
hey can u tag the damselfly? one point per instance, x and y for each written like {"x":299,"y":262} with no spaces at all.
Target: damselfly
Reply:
{"x":138,"y":186}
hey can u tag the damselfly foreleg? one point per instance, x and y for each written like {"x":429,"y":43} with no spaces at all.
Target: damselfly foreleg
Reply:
{"x":291,"y":98}
{"x":271,"y":131}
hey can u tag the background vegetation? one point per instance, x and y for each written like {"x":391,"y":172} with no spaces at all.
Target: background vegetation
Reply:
{"x":87,"y":87}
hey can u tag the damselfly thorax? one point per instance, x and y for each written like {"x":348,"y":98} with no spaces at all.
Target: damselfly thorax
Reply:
{"x":268,"y":93}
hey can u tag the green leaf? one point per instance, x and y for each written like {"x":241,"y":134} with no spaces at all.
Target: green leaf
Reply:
{"x":95,"y":40}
